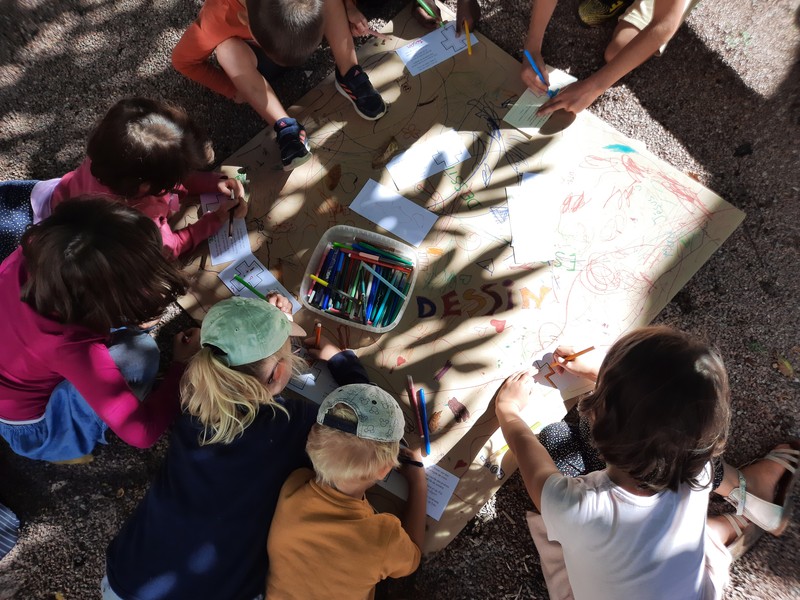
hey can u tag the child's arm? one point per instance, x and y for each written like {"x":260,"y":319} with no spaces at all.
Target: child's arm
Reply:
{"x":416,"y":506}
{"x":541,"y":12}
{"x":358,"y":22}
{"x":666,"y":20}
{"x":343,"y":364}
{"x":535,"y":464}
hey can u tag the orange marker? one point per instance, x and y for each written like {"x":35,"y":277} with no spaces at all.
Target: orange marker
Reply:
{"x":571,"y":357}
{"x":317,"y":333}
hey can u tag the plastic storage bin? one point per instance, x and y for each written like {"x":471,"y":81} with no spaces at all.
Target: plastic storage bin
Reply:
{"x":357,"y":303}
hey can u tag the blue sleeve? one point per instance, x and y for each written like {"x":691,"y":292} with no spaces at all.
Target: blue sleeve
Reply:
{"x":346,"y":368}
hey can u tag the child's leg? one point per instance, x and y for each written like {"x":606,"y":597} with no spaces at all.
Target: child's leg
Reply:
{"x":239,"y":62}
{"x":636,"y":18}
{"x":351,"y":81}
{"x":137,"y":356}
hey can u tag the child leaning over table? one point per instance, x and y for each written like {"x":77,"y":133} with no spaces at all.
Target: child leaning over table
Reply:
{"x":254,"y":39}
{"x":637,"y":528}
{"x":326,"y":541}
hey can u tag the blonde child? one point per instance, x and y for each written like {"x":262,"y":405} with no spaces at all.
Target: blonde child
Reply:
{"x":201,"y":529}
{"x":93,"y":265}
{"x":637,"y":528}
{"x":326,"y":540}
{"x":147,"y":154}
{"x":254,"y":40}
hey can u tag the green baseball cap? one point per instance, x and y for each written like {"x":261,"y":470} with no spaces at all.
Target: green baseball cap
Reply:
{"x":246,"y":330}
{"x":379,"y":416}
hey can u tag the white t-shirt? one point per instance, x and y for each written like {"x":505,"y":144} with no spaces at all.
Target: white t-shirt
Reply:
{"x":621,"y":546}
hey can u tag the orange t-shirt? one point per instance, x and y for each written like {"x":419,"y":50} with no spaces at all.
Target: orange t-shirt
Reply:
{"x":218,"y":21}
{"x":325,"y":544}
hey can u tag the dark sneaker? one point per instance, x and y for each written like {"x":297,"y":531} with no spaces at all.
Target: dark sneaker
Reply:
{"x":594,"y":12}
{"x":356,"y":87}
{"x":293,"y":143}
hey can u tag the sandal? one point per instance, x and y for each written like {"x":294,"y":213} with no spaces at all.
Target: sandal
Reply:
{"x":769,"y":516}
{"x":747,"y":534}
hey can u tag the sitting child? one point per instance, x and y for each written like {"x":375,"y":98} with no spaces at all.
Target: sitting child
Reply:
{"x":326,"y":540}
{"x":142,"y":152}
{"x":637,"y":528}
{"x":253,"y":40}
{"x":201,"y":529}
{"x":92,"y":266}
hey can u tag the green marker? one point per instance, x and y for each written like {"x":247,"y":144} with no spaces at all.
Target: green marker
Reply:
{"x":428,"y":10}
{"x":249,"y":287}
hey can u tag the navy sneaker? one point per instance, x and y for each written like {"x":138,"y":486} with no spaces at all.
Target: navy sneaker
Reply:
{"x":356,"y":87}
{"x":293,"y":143}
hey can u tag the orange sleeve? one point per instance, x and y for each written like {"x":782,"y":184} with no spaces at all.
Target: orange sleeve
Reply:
{"x":190,"y":57}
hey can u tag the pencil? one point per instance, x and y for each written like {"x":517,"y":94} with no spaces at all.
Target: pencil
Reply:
{"x":536,"y":70}
{"x":571,"y":357}
{"x":317,"y":333}
{"x":249,"y":287}
{"x":230,"y":215}
{"x":412,"y":395}
{"x":469,"y":42}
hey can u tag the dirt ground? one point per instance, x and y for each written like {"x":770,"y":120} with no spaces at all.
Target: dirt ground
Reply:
{"x":722,"y":104}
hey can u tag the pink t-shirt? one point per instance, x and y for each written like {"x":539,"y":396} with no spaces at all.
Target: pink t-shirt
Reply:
{"x":36,"y":354}
{"x":158,"y":208}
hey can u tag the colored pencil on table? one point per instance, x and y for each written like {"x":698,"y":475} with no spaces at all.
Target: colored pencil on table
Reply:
{"x":469,"y":42}
{"x":424,"y":411}
{"x":412,"y":395}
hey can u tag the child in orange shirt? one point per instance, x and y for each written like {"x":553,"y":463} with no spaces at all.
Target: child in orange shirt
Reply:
{"x":254,"y":39}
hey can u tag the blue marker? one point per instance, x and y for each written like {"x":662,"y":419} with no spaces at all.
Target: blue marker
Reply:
{"x":536,"y":70}
{"x":426,"y":434}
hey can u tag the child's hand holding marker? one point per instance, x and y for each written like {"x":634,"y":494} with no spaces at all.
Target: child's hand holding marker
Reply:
{"x":319,"y":347}
{"x":428,"y":14}
{"x":235,"y":190}
{"x":468,"y":13}
{"x":581,"y":362}
{"x":535,"y":77}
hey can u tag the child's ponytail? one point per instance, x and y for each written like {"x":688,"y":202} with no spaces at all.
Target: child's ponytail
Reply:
{"x":225,"y":400}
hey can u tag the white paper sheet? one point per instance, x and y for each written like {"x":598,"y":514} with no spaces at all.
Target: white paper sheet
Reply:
{"x":314,"y":384}
{"x":434,"y":48}
{"x":256,"y":274}
{"x":441,"y":485}
{"x":393,"y":212}
{"x":526,"y":205}
{"x":427,"y":158}
{"x":523,"y":114}
{"x":221,"y":247}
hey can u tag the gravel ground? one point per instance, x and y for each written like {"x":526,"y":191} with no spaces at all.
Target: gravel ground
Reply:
{"x":721,"y":105}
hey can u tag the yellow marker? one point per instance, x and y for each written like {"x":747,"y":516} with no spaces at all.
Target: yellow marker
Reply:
{"x":318,"y":280}
{"x":469,"y":42}
{"x":504,"y":448}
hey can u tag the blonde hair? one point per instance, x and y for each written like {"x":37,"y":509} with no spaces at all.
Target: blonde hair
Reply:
{"x":226,"y":399}
{"x":338,"y":456}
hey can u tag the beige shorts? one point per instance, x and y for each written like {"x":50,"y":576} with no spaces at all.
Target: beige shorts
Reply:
{"x":640,"y":13}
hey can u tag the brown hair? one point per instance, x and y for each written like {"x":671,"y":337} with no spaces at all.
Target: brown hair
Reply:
{"x":338,"y":456}
{"x":99,"y":264}
{"x":142,"y":141}
{"x":287,"y":30}
{"x":661,"y":408}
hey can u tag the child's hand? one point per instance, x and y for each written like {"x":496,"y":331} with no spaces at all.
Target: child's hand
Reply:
{"x":185,"y":345}
{"x":531,"y":79}
{"x":586,"y":366}
{"x":423,"y":18}
{"x":225,"y":186}
{"x":280,"y":301}
{"x":469,"y":11}
{"x":327,"y":349}
{"x":410,"y":470}
{"x":514,"y":395}
{"x":573,"y":98}
{"x":359,"y":26}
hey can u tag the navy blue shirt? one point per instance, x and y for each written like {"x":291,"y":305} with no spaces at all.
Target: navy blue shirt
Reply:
{"x":201,"y":529}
